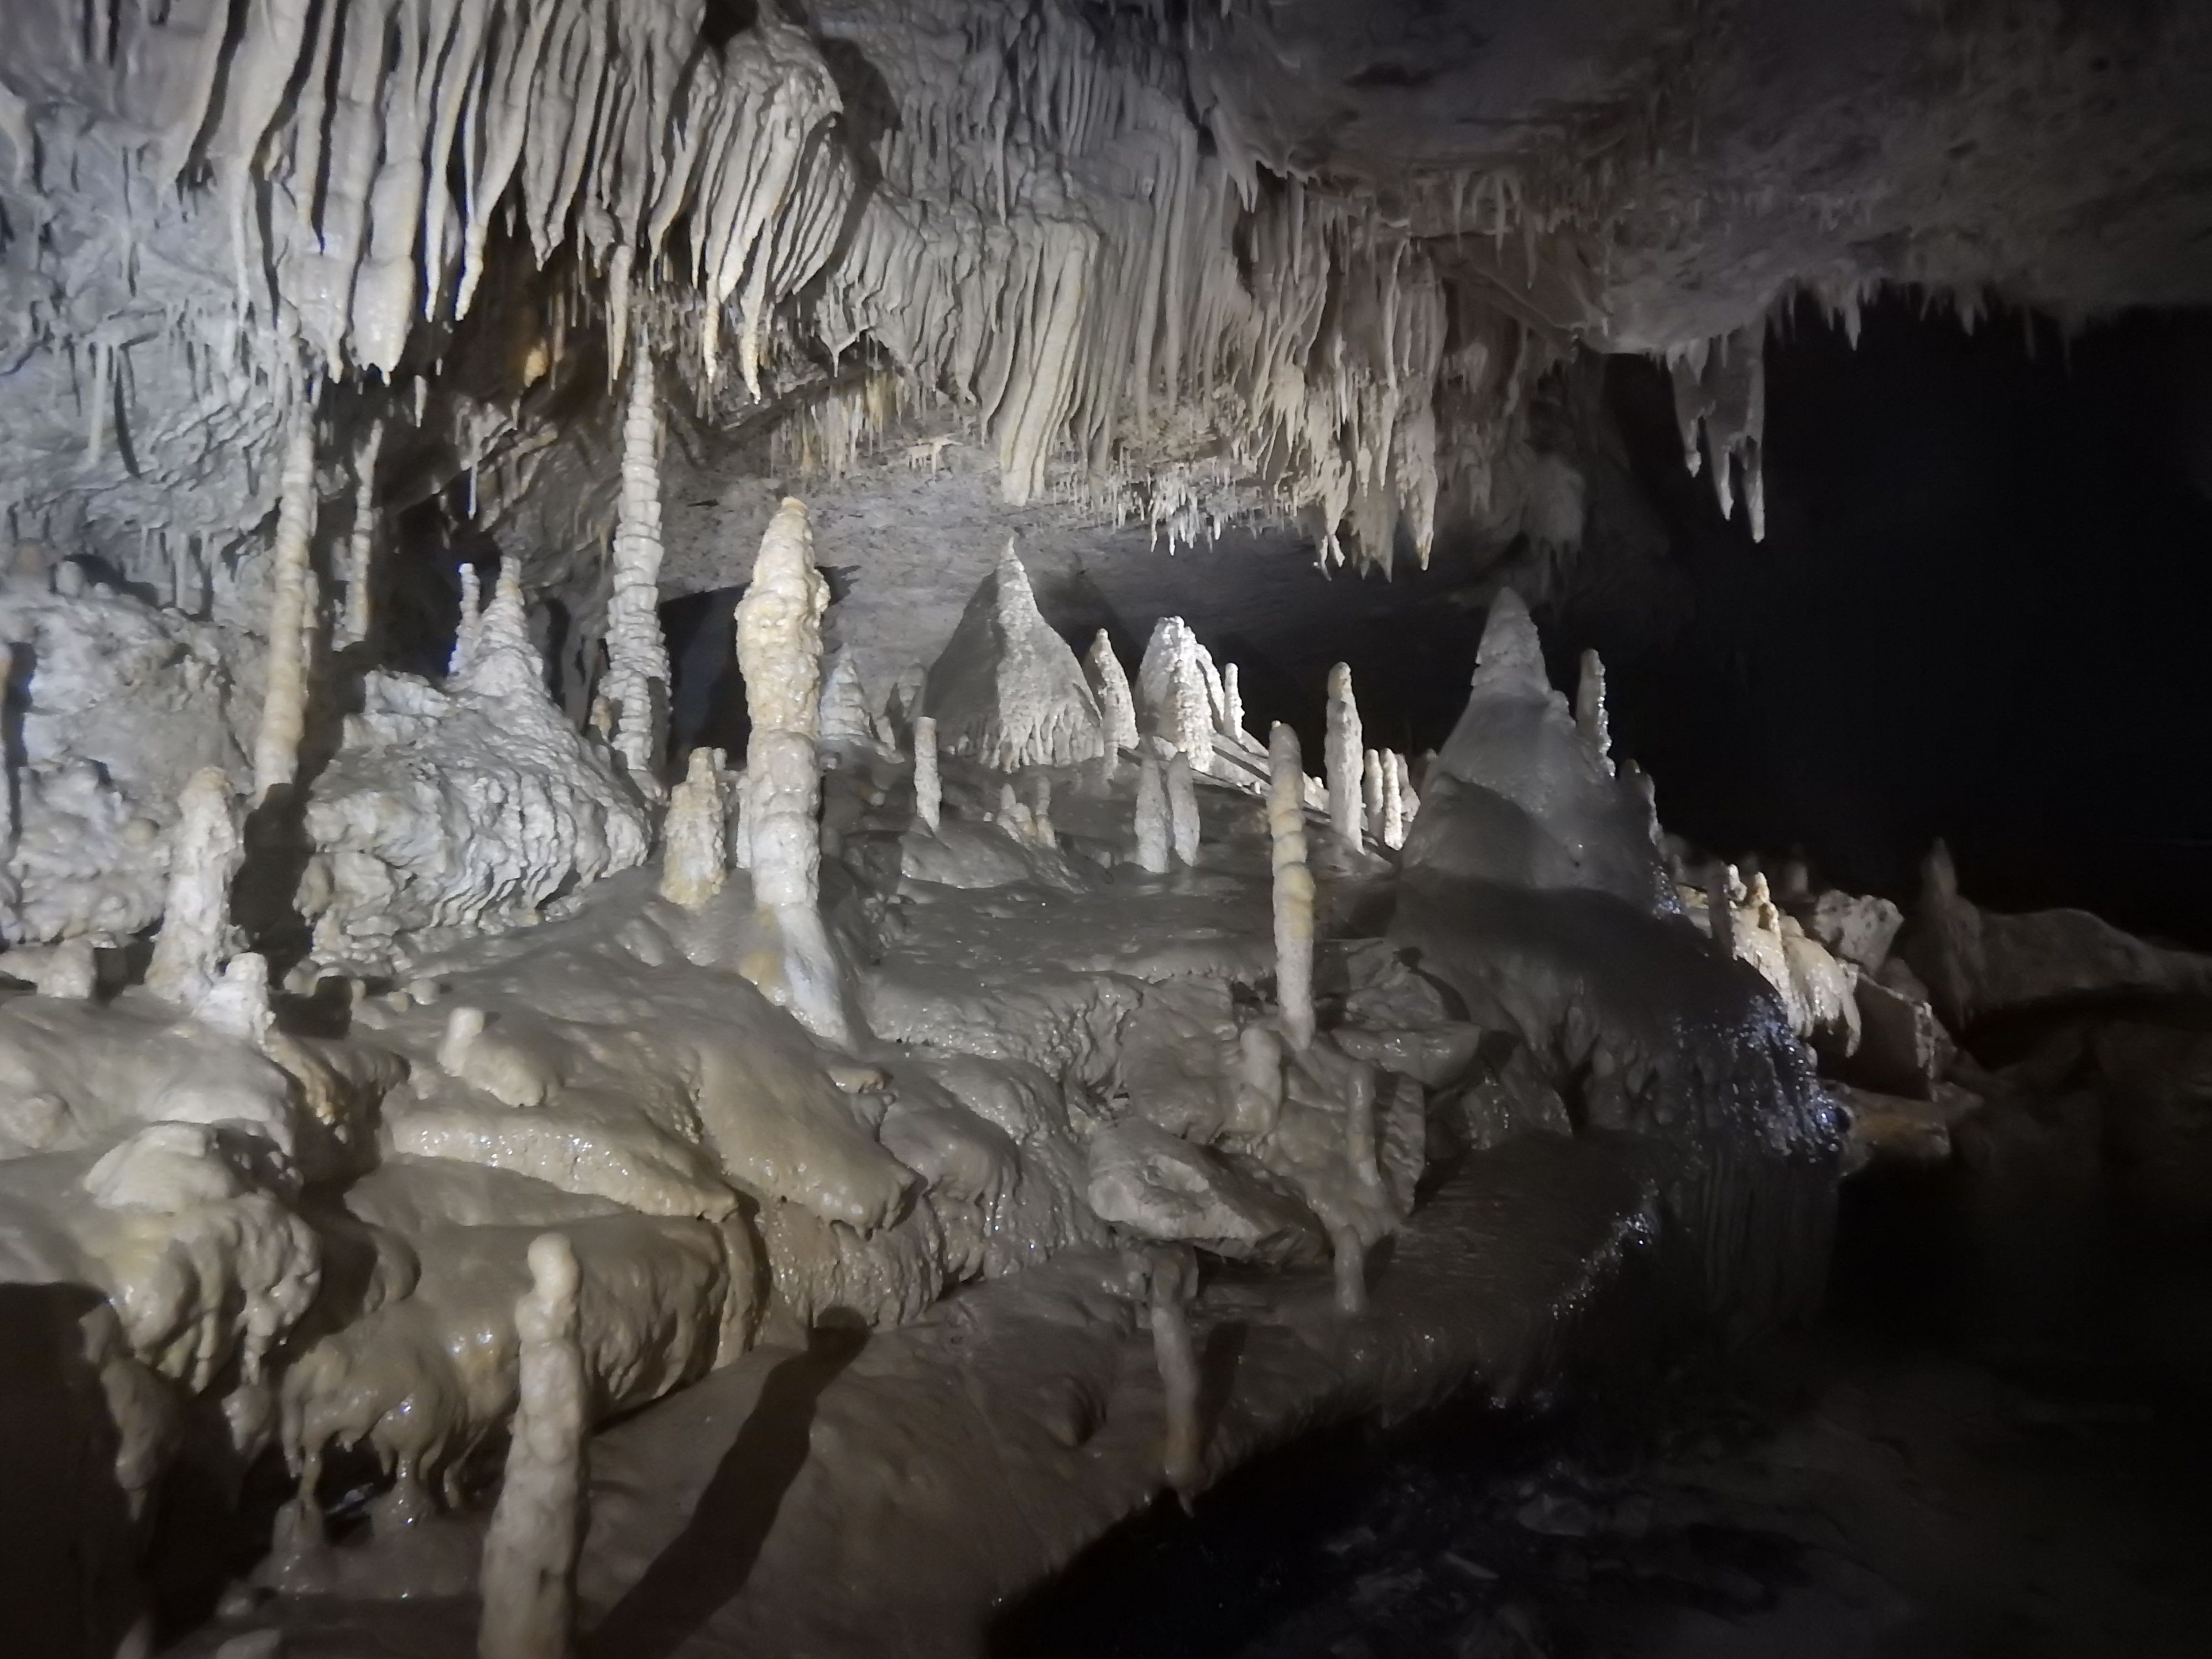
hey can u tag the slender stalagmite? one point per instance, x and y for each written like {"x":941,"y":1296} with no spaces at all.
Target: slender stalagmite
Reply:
{"x":1394,"y":799}
{"x":1232,"y":703}
{"x":468,"y":631}
{"x":204,"y":853}
{"x":695,"y":858}
{"x":8,"y":824}
{"x":1294,"y":886}
{"x":780,"y":654}
{"x":528,"y":1580}
{"x":928,"y":788}
{"x":1041,"y":812}
{"x":1349,"y":1257}
{"x":1342,"y":754}
{"x":356,"y":619}
{"x":1183,"y":809}
{"x":284,"y":700}
{"x":1172,"y":1286}
{"x":1720,"y":906}
{"x":1117,"y":709}
{"x":1409,"y":802}
{"x":1370,"y":794}
{"x":1589,"y":709}
{"x":637,"y":660}
{"x":1153,"y":821}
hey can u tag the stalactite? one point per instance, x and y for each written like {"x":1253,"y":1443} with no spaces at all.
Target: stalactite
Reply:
{"x":1152,"y":819}
{"x":694,"y":861}
{"x":357,"y":617}
{"x":284,"y":700}
{"x":204,"y":853}
{"x":1183,"y":809}
{"x":780,"y":654}
{"x":1110,"y":685}
{"x":637,"y":658}
{"x":1343,"y":754}
{"x":1293,"y":886}
{"x":528,"y":1581}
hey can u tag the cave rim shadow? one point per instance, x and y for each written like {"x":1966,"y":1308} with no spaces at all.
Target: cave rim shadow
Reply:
{"x":707,"y":1564}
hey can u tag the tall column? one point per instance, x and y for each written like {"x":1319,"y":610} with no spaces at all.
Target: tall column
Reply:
{"x":1343,"y":756}
{"x":284,"y":700}
{"x":637,"y":660}
{"x":1294,"y":886}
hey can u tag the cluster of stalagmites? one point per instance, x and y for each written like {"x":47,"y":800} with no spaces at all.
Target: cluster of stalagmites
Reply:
{"x":514,"y":1142}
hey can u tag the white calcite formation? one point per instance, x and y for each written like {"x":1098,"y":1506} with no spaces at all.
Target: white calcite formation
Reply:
{"x":1110,"y":685}
{"x":1589,"y":708}
{"x":1154,"y":821}
{"x":694,"y":857}
{"x":357,"y":607}
{"x":1344,"y":756}
{"x":1175,"y":700}
{"x":1293,"y":889}
{"x":1006,"y":690}
{"x":636,"y":685}
{"x":285,"y":686}
{"x":204,"y":853}
{"x":1394,"y":799}
{"x":528,"y":1583}
{"x":1183,"y":809}
{"x":463,"y":806}
{"x":780,"y":652}
{"x":928,"y":786}
{"x":846,"y":717}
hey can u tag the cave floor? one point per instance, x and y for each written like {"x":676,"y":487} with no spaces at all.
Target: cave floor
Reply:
{"x":1922,"y":1474}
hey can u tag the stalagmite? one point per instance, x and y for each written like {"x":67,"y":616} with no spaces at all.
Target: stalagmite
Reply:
{"x":1409,"y":802}
{"x":1589,"y":709}
{"x":780,"y":654}
{"x":8,"y":825}
{"x":695,"y":859}
{"x":204,"y":852}
{"x":1232,"y":704}
{"x":528,"y":1581}
{"x":284,"y":699}
{"x":1173,"y":701}
{"x":929,"y":789}
{"x":1117,"y":709}
{"x":1171,"y":1286}
{"x":845,"y":717}
{"x":1394,"y":799}
{"x":636,"y":684}
{"x":1183,"y":809}
{"x":468,"y":629}
{"x":1006,"y":690}
{"x":1721,"y":890}
{"x":1342,"y":755}
{"x":1348,"y":1256}
{"x":1293,"y":886}
{"x":1359,"y":1129}
{"x":358,"y":616}
{"x":237,"y":1004}
{"x":1371,"y":794}
{"x":1041,"y":812}
{"x":1152,"y":820}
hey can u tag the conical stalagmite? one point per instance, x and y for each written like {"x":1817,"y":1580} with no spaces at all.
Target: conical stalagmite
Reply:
{"x":1006,"y":690}
{"x":1117,"y":709}
{"x":1174,"y":702}
{"x":695,"y":858}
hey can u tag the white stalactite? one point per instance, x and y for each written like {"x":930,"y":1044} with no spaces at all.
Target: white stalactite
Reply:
{"x":1117,"y":709}
{"x":284,"y":700}
{"x":636,"y":684}
{"x":694,"y":855}
{"x":204,"y":853}
{"x":780,"y":654}
{"x":1343,"y":755}
{"x":1183,"y":809}
{"x":928,"y":787}
{"x":1293,"y":886}
{"x":1152,"y":820}
{"x":357,"y":617}
{"x":528,"y":1581}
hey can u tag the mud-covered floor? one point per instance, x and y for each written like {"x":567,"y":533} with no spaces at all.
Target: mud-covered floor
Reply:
{"x":1982,"y":1450}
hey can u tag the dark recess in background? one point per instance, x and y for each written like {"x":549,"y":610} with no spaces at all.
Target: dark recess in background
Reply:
{"x":1981,"y":611}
